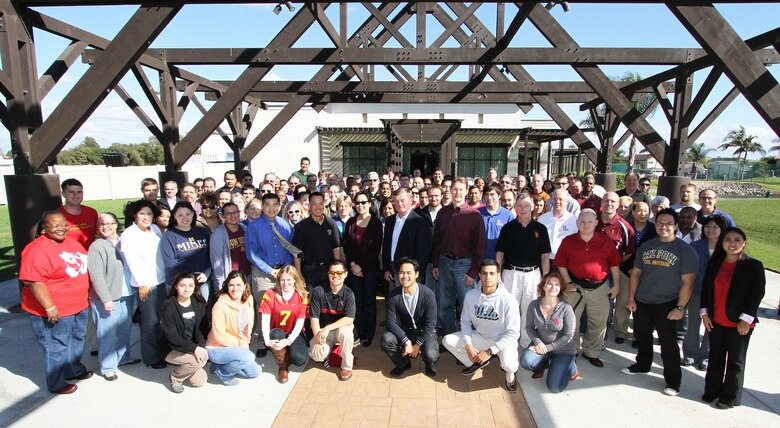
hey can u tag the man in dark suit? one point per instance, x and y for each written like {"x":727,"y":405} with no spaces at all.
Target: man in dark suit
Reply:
{"x":411,"y":322}
{"x":406,"y":235}
{"x":171,"y":196}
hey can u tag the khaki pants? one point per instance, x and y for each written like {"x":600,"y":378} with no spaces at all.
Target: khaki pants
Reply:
{"x":342,"y":335}
{"x":597,"y":303}
{"x":522,"y":285}
{"x":621,"y":313}
{"x":187,"y":367}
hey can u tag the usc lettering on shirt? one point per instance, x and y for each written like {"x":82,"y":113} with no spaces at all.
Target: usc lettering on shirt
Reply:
{"x":237,"y":243}
{"x":191,"y":244}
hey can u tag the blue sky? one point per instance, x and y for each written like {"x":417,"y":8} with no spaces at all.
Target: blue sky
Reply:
{"x":591,"y":25}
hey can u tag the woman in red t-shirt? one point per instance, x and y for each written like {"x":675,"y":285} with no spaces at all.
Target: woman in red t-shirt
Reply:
{"x":56,"y":283}
{"x":732,"y":290}
{"x":282,"y":312}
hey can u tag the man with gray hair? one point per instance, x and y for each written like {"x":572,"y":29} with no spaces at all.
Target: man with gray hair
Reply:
{"x":523,"y":251}
{"x":586,"y":260}
{"x":171,"y":191}
{"x":559,"y":222}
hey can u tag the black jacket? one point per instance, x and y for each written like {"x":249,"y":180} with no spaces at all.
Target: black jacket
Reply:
{"x":414,"y":241}
{"x":399,"y":322}
{"x":172,"y":324}
{"x":745,"y":292}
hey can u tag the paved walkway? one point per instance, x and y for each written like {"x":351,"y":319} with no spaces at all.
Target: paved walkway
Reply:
{"x":316,"y":398}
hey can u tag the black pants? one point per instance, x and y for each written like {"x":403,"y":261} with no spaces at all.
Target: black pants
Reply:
{"x":654,"y":316}
{"x":298,"y":351}
{"x":429,"y":351}
{"x":728,"y":350}
{"x":365,"y":287}
{"x":315,"y":275}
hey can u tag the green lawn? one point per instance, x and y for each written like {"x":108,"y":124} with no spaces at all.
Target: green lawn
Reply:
{"x":8,"y":268}
{"x":772,"y":183}
{"x":755,"y":216}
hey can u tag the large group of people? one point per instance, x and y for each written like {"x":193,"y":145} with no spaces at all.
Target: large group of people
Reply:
{"x":528,"y":270}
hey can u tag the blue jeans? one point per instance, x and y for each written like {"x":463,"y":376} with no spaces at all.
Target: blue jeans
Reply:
{"x":561,"y":367}
{"x":450,"y":292}
{"x":113,"y":332}
{"x":230,"y":361}
{"x":151,"y":332}
{"x":364,"y":288}
{"x":63,"y":344}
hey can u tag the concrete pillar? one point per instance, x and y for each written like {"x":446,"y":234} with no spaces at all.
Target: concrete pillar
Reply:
{"x":29,"y":196}
{"x":607,"y":181}
{"x":669,"y":186}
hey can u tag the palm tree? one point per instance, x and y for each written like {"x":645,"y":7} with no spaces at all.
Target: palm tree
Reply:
{"x":697,"y":154}
{"x":742,"y":143}
{"x":775,"y":148}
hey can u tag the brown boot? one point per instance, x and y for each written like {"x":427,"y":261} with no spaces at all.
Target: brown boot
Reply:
{"x":282,"y":359}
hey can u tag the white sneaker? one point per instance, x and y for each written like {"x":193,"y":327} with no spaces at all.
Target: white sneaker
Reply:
{"x":671,"y":391}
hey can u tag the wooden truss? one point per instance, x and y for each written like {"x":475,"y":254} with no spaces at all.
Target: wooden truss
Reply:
{"x":422,"y":71}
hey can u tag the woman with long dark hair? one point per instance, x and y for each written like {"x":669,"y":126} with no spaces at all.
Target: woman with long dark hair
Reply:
{"x":186,"y":324}
{"x":696,"y":346}
{"x":232,"y":320}
{"x":185,"y":248}
{"x":732,"y":290}
{"x":362,"y":245}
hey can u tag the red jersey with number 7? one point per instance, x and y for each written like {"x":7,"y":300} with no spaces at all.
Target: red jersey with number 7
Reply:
{"x":284,"y":315}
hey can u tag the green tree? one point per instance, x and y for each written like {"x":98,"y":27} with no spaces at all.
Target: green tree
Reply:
{"x":151,"y":152}
{"x":775,"y":148}
{"x":641,"y":105}
{"x":697,"y":154}
{"x":742,"y":143}
{"x":617,"y":154}
{"x":86,"y":153}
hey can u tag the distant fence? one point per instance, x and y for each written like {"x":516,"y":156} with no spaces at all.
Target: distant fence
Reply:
{"x":105,"y":182}
{"x":753,"y":171}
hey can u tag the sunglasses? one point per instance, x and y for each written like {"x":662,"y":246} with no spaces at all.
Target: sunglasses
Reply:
{"x":209,"y":207}
{"x":362,"y":202}
{"x":291,"y":212}
{"x":373,"y":179}
{"x":337,"y":273}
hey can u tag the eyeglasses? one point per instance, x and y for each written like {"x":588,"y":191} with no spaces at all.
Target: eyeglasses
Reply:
{"x":362,"y":202}
{"x":562,"y":183}
{"x":336,"y":272}
{"x":664,"y":223}
{"x":373,"y":179}
{"x":106,"y":224}
{"x":291,"y":212}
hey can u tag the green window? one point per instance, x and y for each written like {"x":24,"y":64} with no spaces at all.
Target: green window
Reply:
{"x":362,"y":158}
{"x":474,"y":160}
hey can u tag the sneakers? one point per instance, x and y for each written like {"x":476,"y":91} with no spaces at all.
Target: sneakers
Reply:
{"x":430,"y":370}
{"x":687,"y":361}
{"x":177,"y":387}
{"x":345,"y":375}
{"x":474,"y":367}
{"x":633,"y":369}
{"x":231,"y":382}
{"x":671,"y":391}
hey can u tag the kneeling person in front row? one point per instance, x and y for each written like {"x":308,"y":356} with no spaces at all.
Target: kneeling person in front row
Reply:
{"x":332,"y":312}
{"x":411,"y":322}
{"x":490,"y":325}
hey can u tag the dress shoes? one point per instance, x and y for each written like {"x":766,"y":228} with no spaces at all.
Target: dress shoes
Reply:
{"x":511,"y":386}
{"x":86,"y":375}
{"x":261,"y":353}
{"x":468,"y":371}
{"x":110,"y":377}
{"x":619,"y":340}
{"x":67,"y":389}
{"x":538,"y":375}
{"x":345,"y":375}
{"x":131,"y":362}
{"x":430,"y":370}
{"x":595,"y":361}
{"x":158,"y":365}
{"x":399,"y":370}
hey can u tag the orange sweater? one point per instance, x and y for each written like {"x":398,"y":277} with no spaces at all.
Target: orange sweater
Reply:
{"x":225,"y":329}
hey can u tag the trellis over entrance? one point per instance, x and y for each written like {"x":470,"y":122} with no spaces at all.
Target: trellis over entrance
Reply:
{"x":352,"y":66}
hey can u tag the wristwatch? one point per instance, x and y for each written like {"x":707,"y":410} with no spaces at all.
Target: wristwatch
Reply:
{"x":680,"y":308}
{"x":489,"y":351}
